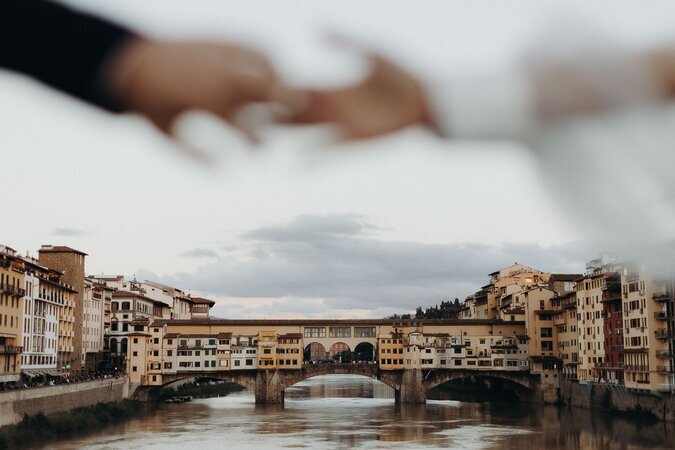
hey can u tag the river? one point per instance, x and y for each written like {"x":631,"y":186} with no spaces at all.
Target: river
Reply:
{"x":342,"y":411}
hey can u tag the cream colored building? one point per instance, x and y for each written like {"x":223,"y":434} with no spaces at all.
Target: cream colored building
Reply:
{"x":649,"y":330}
{"x":42,"y":337}
{"x":96,"y":322}
{"x":12,"y":291}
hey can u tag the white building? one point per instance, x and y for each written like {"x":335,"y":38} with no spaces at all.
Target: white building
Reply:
{"x":40,"y":327}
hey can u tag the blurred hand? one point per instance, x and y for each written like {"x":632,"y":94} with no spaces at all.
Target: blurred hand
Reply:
{"x":388,"y":100}
{"x":161,"y":80}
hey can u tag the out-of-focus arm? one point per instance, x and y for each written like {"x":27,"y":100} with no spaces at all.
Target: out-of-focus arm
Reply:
{"x":60,"y":47}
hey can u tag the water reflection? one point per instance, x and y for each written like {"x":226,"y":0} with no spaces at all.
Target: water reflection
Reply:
{"x":341,"y":411}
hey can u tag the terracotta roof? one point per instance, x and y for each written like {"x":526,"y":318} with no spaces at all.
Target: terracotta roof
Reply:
{"x":200,"y":300}
{"x":291,"y":335}
{"x":564,"y":277}
{"x":127,"y":294}
{"x":315,"y":322}
{"x":59,"y":249}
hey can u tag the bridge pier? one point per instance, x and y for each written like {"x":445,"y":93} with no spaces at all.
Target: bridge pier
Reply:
{"x":412,"y":387}
{"x":268,"y":387}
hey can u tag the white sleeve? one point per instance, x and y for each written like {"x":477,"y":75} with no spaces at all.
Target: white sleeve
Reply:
{"x":483,"y":106}
{"x":548,"y":88}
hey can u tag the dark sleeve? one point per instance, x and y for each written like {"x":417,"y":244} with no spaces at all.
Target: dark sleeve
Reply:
{"x":58,"y":46}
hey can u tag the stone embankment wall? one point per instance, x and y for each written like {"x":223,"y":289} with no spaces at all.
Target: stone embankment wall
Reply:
{"x":617,"y":398}
{"x":63,"y":397}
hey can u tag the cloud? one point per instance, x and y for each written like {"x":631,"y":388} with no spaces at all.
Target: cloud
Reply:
{"x":69,"y":232}
{"x":336,"y":259}
{"x":199,"y":253}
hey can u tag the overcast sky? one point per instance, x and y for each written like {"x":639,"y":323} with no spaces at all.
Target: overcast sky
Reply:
{"x":296,"y":228}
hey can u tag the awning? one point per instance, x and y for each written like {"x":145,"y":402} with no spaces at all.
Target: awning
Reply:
{"x":9,"y":378}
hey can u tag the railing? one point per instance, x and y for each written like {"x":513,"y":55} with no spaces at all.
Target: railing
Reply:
{"x":663,"y":315}
{"x":190,"y":347}
{"x":635,"y":276}
{"x":664,"y":354}
{"x":636,"y":368}
{"x":610,"y":365}
{"x":664,"y":333}
{"x":661,"y":297}
{"x":12,"y":290}
{"x":14,"y":349}
{"x":663,"y":369}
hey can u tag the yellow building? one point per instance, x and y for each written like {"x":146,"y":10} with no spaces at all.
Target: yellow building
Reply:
{"x":289,"y":351}
{"x":542,"y":334}
{"x":12,"y":291}
{"x":565,"y":322}
{"x":649,"y":326}
{"x":267,"y":350}
{"x":390,"y":349}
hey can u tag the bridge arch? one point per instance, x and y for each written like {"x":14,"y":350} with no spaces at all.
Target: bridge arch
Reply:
{"x":315,"y":352}
{"x":521,"y":379}
{"x":369,"y":370}
{"x":364,"y":351}
{"x":340,"y":351}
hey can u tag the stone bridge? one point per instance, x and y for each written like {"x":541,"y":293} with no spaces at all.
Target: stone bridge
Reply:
{"x":410,"y":385}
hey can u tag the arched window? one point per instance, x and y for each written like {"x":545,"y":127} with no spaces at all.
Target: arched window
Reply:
{"x":124,"y":346}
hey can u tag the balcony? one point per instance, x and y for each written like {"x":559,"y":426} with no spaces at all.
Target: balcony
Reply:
{"x":665,"y":387}
{"x":10,"y":349}
{"x":663,"y":369}
{"x":190,"y":347}
{"x":631,"y":277}
{"x":664,"y":333}
{"x":663,"y":315}
{"x":636,"y":368}
{"x":661,"y":297}
{"x":610,"y":365}
{"x":664,"y":354}
{"x":12,"y":290}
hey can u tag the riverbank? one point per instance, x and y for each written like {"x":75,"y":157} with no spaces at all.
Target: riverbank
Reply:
{"x":618,"y":400}
{"x":16,"y":404}
{"x":40,"y":429}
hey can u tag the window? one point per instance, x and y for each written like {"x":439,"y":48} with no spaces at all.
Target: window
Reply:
{"x":547,"y":346}
{"x":135,"y":340}
{"x":315,"y":332}
{"x":547,"y":332}
{"x":237,"y":363}
{"x":134,"y":353}
{"x":340,"y":332}
{"x":134,"y":369}
{"x":249,"y":362}
{"x":167,"y":365}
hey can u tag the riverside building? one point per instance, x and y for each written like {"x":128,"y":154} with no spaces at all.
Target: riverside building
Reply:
{"x":12,"y":292}
{"x":47,"y":334}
